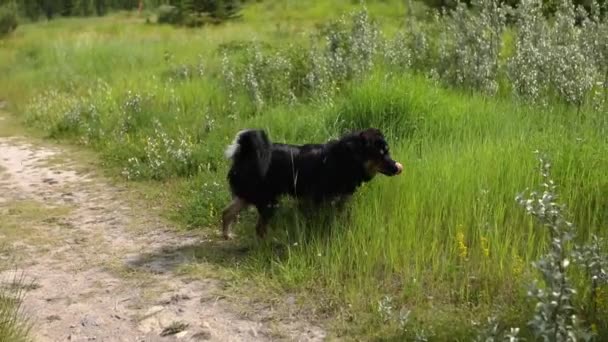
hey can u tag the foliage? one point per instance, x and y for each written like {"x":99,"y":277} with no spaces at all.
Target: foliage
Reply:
{"x":527,"y":68}
{"x":549,"y":7}
{"x":194,"y":13}
{"x":34,"y":9}
{"x":168,"y":14}
{"x":470,"y":45}
{"x":555,"y":317}
{"x":562,"y":58}
{"x":8,"y":18}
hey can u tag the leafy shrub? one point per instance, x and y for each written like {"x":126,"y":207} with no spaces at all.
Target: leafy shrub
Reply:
{"x":470,"y":45}
{"x":168,"y":14}
{"x":351,"y":45}
{"x":527,"y":68}
{"x":563,"y":58}
{"x":573,"y":71}
{"x":195,"y":13}
{"x":555,"y":318}
{"x":163,"y":156}
{"x":560,"y":56}
{"x":548,"y":6}
{"x":349,"y":48}
{"x":8,"y":19}
{"x":221,"y":9}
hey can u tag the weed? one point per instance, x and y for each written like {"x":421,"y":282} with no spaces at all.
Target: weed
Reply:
{"x":554,"y":318}
{"x":13,"y":325}
{"x":174,"y":328}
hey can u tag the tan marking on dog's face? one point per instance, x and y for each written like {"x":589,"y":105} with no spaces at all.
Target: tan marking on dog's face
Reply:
{"x":371,"y":167}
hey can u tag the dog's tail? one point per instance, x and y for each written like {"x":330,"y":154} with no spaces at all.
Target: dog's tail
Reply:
{"x":251,"y":148}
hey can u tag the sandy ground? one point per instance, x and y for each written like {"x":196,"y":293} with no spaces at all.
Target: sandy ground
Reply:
{"x":104,"y":269}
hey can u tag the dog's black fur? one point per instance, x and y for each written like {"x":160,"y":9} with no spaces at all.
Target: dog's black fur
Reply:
{"x":263,"y":171}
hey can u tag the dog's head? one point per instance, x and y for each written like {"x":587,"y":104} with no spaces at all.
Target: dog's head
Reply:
{"x":371,"y":148}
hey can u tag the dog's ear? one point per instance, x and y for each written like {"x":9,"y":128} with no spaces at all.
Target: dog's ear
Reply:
{"x":353,"y":142}
{"x":364,"y":138}
{"x":368,"y":136}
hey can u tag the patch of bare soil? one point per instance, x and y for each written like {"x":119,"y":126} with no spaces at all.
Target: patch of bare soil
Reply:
{"x":88,"y":273}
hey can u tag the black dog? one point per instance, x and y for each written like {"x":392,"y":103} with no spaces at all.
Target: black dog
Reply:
{"x":262,"y":171}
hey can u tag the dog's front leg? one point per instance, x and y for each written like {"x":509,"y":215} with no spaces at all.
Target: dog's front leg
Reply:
{"x":340,"y":202}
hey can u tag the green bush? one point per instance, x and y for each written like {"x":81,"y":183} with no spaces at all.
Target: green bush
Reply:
{"x":194,"y":13}
{"x":168,"y":14}
{"x":549,"y":6}
{"x":223,"y":9}
{"x":8,"y":19}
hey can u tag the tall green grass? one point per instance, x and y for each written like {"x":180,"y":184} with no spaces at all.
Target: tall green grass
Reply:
{"x":13,"y":326}
{"x":445,"y":240}
{"x":447,"y":235}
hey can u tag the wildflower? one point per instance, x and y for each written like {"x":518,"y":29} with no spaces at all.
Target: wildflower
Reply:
{"x":485,"y":246}
{"x":463,"y":250}
{"x":518,"y":265}
{"x":385,"y":308}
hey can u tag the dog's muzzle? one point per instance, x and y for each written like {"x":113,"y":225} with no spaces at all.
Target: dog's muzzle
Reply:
{"x":391,"y":168}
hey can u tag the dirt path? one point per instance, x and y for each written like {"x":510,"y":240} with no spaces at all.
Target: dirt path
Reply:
{"x":83,"y":254}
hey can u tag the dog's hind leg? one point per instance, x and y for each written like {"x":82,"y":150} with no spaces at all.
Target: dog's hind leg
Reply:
{"x":266,"y":212}
{"x":230,"y":213}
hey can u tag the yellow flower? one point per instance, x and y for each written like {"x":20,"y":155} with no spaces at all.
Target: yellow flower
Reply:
{"x":518,"y":265}
{"x":485,"y":246}
{"x":463,"y":250}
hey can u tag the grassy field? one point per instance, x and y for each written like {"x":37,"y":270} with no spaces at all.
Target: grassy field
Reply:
{"x":429,"y":254}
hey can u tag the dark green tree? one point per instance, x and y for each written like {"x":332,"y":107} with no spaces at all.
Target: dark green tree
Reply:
{"x":101,"y":7}
{"x":67,"y":7}
{"x":31,"y":9}
{"x":8,"y":18}
{"x":50,"y":7}
{"x":219,"y":9}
